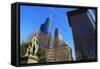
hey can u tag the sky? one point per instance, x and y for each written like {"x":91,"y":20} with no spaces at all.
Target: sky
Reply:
{"x":31,"y":17}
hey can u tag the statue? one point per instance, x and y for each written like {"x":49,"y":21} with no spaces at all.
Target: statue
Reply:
{"x":32,"y":50}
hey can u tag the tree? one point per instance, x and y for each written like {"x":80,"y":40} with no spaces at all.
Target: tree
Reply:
{"x":41,"y":55}
{"x":23,"y":48}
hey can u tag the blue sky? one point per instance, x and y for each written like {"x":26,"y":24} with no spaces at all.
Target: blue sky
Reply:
{"x":31,"y":17}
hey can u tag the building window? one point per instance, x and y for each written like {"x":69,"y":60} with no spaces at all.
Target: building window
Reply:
{"x":90,"y":53}
{"x":93,"y":53}
{"x":86,"y":54}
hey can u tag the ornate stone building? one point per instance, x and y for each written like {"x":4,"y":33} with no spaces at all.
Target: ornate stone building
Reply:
{"x":60,"y":53}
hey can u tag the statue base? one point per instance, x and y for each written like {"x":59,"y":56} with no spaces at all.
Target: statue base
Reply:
{"x":32,"y":59}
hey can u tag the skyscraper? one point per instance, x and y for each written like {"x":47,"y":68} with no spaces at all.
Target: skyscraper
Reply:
{"x":56,"y":38}
{"x":46,"y":27}
{"x":84,"y":34}
{"x":45,"y":33}
{"x":42,"y":28}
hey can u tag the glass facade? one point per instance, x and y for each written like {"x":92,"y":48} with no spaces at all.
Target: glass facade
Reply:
{"x":83,"y":29}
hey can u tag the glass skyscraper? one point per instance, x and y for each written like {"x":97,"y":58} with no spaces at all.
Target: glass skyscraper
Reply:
{"x":46,"y":27}
{"x":84,"y":34}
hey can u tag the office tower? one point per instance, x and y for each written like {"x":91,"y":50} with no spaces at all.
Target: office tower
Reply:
{"x":56,"y":38}
{"x":44,"y":33}
{"x":41,"y":27}
{"x":46,"y":27}
{"x":56,"y":32}
{"x":84,"y":34}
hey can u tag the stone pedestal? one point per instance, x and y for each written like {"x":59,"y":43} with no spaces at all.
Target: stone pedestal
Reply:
{"x":32,"y":59}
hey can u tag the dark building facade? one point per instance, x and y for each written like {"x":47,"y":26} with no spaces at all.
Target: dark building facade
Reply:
{"x":46,"y":27}
{"x":44,"y":33}
{"x":42,"y":27}
{"x":84,"y":34}
{"x":56,"y":38}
